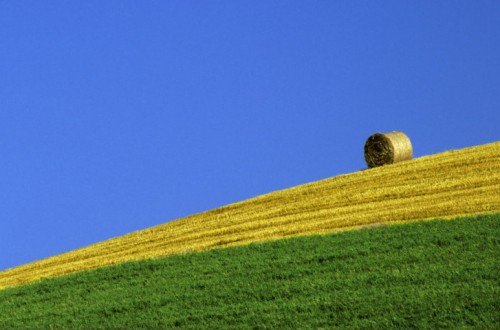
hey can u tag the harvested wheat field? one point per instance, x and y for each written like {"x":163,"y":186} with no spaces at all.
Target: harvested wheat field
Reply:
{"x":446,"y":185}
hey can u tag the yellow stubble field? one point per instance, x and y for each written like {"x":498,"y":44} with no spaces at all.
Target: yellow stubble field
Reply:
{"x":445,"y":185}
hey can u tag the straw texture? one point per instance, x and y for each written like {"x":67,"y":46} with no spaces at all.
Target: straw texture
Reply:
{"x":450,"y":184}
{"x":387,"y":148}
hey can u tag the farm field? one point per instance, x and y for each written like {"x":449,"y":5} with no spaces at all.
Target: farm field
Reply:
{"x":445,"y":185}
{"x":429,"y":274}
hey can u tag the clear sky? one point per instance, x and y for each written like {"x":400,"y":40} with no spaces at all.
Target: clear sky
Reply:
{"x":116,"y":116}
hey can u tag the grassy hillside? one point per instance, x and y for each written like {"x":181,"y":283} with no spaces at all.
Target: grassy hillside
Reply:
{"x":432,"y":274}
{"x":454,"y":183}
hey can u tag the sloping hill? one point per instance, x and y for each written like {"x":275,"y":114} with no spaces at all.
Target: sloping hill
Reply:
{"x":450,"y":184}
{"x":421,"y":275}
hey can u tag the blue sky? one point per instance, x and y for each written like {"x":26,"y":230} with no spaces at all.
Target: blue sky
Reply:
{"x":119,"y":115}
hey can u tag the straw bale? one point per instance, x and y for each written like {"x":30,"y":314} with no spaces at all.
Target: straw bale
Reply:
{"x":387,"y":148}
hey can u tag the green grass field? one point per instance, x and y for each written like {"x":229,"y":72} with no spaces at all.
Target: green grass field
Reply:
{"x":431,"y":274}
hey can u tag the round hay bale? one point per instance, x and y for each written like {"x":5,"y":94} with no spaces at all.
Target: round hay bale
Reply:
{"x":387,"y":148}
